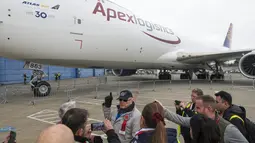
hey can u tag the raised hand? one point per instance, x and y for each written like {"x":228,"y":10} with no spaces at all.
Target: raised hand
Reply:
{"x":108,"y":100}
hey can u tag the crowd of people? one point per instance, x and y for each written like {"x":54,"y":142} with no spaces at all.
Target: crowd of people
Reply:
{"x":205,"y":119}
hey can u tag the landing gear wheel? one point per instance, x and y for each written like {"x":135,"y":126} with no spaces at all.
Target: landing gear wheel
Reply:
{"x":185,"y":76}
{"x":42,"y":89}
{"x":201,"y":76}
{"x":217,"y":77}
{"x":165,"y":76}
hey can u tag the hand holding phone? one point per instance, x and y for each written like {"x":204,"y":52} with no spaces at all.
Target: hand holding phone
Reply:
{"x":97,"y":126}
{"x":107,"y":125}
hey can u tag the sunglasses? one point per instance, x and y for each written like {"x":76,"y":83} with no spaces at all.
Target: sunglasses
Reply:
{"x":123,"y":100}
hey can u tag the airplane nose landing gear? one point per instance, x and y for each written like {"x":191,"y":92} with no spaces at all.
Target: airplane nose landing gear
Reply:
{"x":39,"y":87}
{"x":42,"y":88}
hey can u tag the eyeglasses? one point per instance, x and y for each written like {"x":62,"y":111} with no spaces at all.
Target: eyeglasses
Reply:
{"x":122,"y":100}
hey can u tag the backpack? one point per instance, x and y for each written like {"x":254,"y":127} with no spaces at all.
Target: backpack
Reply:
{"x":250,"y":127}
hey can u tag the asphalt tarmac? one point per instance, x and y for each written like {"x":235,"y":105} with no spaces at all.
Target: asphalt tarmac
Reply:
{"x":29,"y":120}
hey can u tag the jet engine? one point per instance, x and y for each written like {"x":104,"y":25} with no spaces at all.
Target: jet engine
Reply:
{"x":123,"y":72}
{"x":247,"y":65}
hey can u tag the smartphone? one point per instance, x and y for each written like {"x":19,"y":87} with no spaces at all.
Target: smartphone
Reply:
{"x":177,"y":102}
{"x":97,"y":126}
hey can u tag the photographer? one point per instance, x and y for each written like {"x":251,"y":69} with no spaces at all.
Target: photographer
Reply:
{"x":76,"y":120}
{"x":187,"y":110}
{"x":126,"y":118}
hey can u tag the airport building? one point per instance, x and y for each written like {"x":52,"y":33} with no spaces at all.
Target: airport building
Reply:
{"x":11,"y":71}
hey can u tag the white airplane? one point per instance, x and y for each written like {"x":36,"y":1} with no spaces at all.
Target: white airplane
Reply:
{"x":102,"y":34}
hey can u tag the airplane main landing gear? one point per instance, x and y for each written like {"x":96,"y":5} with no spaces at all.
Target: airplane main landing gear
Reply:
{"x":187,"y":75}
{"x":217,"y":76}
{"x":163,"y":75}
{"x":202,"y":74}
{"x":218,"y":73}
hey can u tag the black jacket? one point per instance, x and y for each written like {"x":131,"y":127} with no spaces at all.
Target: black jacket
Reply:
{"x":112,"y":137}
{"x":236,"y":110}
{"x":97,"y":139}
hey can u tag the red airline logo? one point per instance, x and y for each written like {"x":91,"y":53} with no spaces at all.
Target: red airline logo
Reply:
{"x":112,"y":14}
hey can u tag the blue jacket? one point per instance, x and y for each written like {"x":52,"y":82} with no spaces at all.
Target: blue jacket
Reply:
{"x":145,"y":137}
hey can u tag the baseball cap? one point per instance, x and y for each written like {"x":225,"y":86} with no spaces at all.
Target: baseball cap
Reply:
{"x":125,"y":94}
{"x":225,"y":96}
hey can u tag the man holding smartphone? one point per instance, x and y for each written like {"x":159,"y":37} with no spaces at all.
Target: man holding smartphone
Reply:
{"x":126,"y":118}
{"x":187,"y":110}
{"x":76,"y":119}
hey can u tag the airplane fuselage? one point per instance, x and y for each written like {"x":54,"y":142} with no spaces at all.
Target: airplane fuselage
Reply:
{"x":85,"y":33}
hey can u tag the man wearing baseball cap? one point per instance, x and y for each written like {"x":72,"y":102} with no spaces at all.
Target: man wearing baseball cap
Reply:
{"x":125,"y":118}
{"x":230,"y":112}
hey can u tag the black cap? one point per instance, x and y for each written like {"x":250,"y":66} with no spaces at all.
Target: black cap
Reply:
{"x":225,"y":96}
{"x":125,"y":94}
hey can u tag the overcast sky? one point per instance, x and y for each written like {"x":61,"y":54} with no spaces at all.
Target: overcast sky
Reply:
{"x":201,"y":20}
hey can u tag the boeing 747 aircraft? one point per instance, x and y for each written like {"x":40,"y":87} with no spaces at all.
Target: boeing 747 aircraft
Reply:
{"x":102,"y":34}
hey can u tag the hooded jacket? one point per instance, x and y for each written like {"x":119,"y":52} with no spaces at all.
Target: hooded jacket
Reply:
{"x":145,"y":136}
{"x":236,"y":110}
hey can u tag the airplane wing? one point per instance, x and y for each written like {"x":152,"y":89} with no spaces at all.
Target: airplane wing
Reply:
{"x":220,"y":56}
{"x":197,"y":58}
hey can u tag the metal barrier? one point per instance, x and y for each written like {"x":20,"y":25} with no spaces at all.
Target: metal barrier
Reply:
{"x":99,"y":87}
{"x":39,"y":94}
{"x":102,"y":88}
{"x":3,"y":94}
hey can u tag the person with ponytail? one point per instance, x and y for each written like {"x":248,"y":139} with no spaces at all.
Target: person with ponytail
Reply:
{"x":152,"y":126}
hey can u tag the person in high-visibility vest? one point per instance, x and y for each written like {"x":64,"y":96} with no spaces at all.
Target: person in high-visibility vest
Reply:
{"x":230,"y":112}
{"x":59,"y":75}
{"x":187,"y":110}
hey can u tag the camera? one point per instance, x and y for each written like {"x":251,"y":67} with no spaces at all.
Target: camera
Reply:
{"x":177,"y":102}
{"x":97,"y":126}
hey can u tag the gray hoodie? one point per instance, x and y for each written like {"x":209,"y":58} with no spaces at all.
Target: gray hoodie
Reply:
{"x":132,"y":126}
{"x":231,"y":134}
